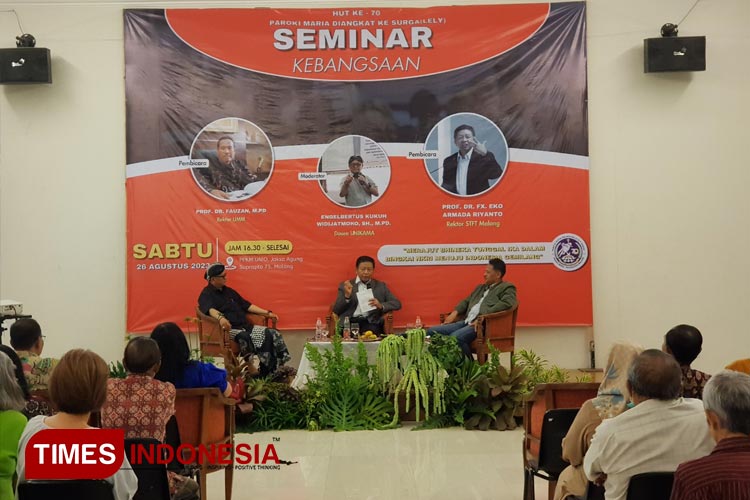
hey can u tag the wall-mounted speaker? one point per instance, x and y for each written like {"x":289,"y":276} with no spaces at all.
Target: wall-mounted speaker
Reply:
{"x":674,"y":53}
{"x":25,"y":65}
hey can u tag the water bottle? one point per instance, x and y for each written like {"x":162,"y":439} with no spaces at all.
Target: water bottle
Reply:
{"x":418,"y":323}
{"x":347,"y":328}
{"x":318,"y":330}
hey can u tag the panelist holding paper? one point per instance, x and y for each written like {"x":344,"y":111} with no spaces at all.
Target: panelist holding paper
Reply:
{"x":379,"y":300}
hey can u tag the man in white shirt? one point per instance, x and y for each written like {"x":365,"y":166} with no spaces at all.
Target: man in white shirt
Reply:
{"x":472,"y":169}
{"x":661,"y":432}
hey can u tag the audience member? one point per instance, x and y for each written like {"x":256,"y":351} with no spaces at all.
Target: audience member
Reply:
{"x":12,"y":423}
{"x":27,"y":339}
{"x":35,"y":404}
{"x":142,"y":406}
{"x":660,"y":432}
{"x":177,"y":367}
{"x":741,"y":365}
{"x":228,"y":307}
{"x":684,"y":342}
{"x":368,"y":316}
{"x":139,"y":404}
{"x":612,"y":399}
{"x":725,"y":473}
{"x":493,"y":295}
{"x":77,"y":387}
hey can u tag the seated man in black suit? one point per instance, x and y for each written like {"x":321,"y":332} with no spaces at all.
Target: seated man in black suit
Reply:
{"x":229,"y":308}
{"x":383,"y":300}
{"x":470,"y":170}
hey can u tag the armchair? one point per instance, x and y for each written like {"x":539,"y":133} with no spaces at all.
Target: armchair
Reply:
{"x":214,"y":341}
{"x":206,"y":417}
{"x":496,"y":329}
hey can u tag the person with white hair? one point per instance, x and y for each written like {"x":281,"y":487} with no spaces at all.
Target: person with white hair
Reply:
{"x":725,"y":473}
{"x":12,"y":423}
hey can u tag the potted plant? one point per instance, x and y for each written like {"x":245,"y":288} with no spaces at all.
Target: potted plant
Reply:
{"x":405,"y":366}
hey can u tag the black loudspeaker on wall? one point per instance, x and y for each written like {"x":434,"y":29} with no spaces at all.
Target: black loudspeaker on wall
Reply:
{"x":674,"y":53}
{"x":25,"y":65}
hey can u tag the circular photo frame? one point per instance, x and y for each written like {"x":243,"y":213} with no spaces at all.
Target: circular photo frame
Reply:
{"x":357,"y":170}
{"x":235,"y":159}
{"x":463,"y":137}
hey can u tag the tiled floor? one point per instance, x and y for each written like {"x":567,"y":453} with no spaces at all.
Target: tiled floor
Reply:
{"x":451,"y":464}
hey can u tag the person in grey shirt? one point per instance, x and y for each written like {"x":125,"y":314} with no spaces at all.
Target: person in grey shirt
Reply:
{"x":356,"y":188}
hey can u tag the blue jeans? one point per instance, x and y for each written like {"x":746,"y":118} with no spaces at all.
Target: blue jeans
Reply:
{"x":464,"y":333}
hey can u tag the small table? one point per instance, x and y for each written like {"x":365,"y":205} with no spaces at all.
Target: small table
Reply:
{"x":306,"y":370}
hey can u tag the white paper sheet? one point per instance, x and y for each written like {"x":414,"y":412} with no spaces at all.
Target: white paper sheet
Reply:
{"x":364,"y":297}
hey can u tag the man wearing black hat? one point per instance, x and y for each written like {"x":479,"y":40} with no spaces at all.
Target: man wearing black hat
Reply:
{"x":356,"y":188}
{"x":229,"y":308}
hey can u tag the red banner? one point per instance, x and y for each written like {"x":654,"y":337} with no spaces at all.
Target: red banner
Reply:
{"x":238,"y":154}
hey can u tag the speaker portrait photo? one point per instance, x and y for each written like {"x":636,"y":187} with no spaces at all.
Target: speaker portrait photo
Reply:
{"x":474,"y":152}
{"x":357,"y":171}
{"x":239,"y":159}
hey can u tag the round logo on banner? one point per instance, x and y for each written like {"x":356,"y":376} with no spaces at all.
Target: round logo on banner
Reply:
{"x":569,"y":252}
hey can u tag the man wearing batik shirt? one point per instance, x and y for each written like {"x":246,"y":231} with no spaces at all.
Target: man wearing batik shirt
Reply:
{"x":685,"y":342}
{"x":725,"y":473}
{"x":27,"y":340}
{"x":225,"y":173}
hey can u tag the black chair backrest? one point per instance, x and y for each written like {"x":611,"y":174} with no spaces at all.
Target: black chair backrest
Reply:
{"x":73,"y":489}
{"x":172,"y":438}
{"x":153,"y":483}
{"x":554,"y":428}
{"x":594,"y":492}
{"x":651,"y":486}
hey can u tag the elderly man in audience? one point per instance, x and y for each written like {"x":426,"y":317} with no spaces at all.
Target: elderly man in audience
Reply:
{"x":725,"y":473}
{"x":612,"y":398}
{"x":659,"y":433}
{"x":27,"y":339}
{"x":684,"y":342}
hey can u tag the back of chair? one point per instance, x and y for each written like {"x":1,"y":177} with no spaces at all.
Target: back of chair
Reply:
{"x":204,"y":416}
{"x":68,"y":489}
{"x":651,"y":486}
{"x":153,"y":483}
{"x":548,"y":397}
{"x":554,"y":428}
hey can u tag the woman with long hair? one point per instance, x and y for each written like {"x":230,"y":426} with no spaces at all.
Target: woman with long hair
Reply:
{"x":178,"y":368}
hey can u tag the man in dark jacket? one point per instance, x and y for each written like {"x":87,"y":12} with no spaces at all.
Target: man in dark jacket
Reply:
{"x":369,"y":316}
{"x":470,"y":170}
{"x":493,"y":295}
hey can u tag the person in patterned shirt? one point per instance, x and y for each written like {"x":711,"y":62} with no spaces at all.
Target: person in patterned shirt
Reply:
{"x":141,"y":405}
{"x":27,"y":340}
{"x":225,"y":173}
{"x":685,"y":342}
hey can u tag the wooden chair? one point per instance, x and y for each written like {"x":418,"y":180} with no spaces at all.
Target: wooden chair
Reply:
{"x":90,"y":489}
{"x":549,"y":464}
{"x":549,"y":397}
{"x":332,"y":319}
{"x":495,"y":329}
{"x":153,"y":483}
{"x":214,"y":341}
{"x":206,"y":417}
{"x":651,"y":486}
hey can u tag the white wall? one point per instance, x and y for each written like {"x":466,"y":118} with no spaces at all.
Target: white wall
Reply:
{"x":668,"y":179}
